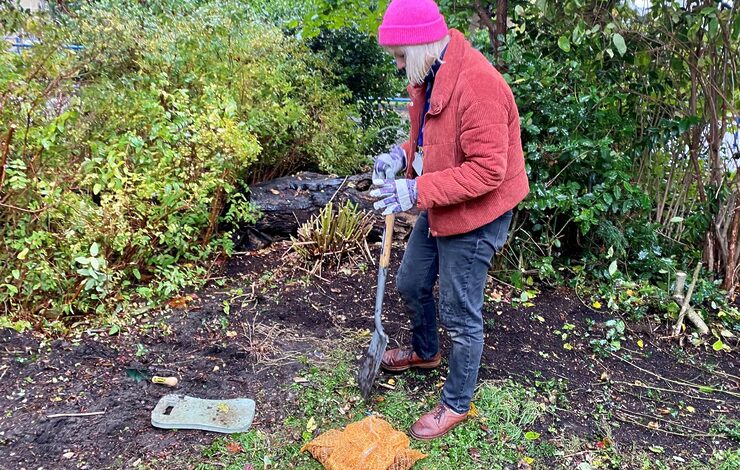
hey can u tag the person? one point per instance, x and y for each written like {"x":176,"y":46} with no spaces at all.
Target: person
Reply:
{"x":464,"y":170}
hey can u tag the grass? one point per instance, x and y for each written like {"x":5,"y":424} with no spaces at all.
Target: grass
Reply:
{"x":502,"y":435}
{"x":330,"y":400}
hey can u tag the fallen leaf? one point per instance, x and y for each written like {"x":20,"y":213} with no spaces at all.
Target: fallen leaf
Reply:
{"x":690,"y":409}
{"x":379,"y":399}
{"x":234,"y":447}
{"x":531,"y":435}
{"x":391,"y":382}
{"x":525,"y":463}
{"x":568,"y":346}
{"x":179,"y":302}
{"x":474,"y":453}
{"x":311,"y":425}
{"x":231,"y":334}
{"x":222,"y":408}
{"x":654,"y":425}
{"x":597,"y":305}
{"x":602,"y":444}
{"x":604,"y":376}
{"x":274,"y":191}
{"x":473,"y":412}
{"x":640,"y":343}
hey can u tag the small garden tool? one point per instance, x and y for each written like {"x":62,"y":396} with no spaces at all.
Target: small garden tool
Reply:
{"x":371,"y":362}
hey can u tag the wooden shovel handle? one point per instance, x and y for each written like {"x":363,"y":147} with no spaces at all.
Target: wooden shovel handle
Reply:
{"x":385,"y":254}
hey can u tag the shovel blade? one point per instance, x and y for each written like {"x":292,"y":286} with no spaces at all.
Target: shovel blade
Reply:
{"x":371,"y":362}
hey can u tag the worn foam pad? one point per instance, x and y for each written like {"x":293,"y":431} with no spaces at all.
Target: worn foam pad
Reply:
{"x":183,"y":412}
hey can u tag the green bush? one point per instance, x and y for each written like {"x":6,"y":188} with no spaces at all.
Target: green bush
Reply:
{"x":367,"y":71}
{"x":131,"y":156}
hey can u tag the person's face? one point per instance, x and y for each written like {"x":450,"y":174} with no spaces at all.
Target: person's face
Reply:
{"x":400,"y":60}
{"x":398,"y":57}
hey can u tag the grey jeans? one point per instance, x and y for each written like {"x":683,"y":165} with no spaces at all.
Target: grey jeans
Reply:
{"x":461,"y":263}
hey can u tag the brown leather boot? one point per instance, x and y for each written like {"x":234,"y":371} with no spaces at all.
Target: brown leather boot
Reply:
{"x":436,"y":423}
{"x":397,"y":360}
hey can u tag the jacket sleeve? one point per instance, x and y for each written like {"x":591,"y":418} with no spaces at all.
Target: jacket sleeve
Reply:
{"x":484,"y":138}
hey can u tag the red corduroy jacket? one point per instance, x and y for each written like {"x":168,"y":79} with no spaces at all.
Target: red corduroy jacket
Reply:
{"x":473,"y":167}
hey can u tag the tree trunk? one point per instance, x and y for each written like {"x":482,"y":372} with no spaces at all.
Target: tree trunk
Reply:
{"x":729,"y":281}
{"x":497,"y":29}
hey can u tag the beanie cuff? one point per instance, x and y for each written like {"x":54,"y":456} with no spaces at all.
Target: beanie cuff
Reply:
{"x":409,"y":35}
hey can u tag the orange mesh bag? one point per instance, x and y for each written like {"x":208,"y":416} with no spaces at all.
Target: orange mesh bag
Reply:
{"x":368,"y":444}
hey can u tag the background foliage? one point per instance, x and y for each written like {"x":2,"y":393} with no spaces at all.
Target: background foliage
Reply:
{"x":146,"y":141}
{"x":128,"y":160}
{"x":623,"y":113}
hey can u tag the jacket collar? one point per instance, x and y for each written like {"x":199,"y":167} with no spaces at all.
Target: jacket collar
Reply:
{"x":446,"y":77}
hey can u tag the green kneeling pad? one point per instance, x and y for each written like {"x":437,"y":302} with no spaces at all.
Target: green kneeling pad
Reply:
{"x":184,"y":412}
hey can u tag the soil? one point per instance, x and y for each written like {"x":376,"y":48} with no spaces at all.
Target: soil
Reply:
{"x":257,"y":324}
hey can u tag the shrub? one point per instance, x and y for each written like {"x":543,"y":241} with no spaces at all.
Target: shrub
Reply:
{"x":130,"y":156}
{"x":362,"y":66}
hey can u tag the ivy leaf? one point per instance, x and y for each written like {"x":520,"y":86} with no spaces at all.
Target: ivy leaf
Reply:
{"x":612,"y":268}
{"x":564,"y":43}
{"x":618,"y":41}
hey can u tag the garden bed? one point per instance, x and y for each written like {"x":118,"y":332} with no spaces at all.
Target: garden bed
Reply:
{"x":260,"y":325}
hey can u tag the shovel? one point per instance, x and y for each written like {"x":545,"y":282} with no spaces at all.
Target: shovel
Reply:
{"x":371,"y":362}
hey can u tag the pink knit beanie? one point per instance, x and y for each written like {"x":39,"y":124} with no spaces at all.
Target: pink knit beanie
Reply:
{"x":409,"y":22}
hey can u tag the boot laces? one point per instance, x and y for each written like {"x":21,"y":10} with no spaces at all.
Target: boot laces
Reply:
{"x":439,"y":412}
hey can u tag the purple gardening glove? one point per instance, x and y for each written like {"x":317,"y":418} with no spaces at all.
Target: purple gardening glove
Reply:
{"x":387,"y":165}
{"x":397,"y":196}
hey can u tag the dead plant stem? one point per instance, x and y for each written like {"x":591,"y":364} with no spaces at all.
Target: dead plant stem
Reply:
{"x":677,"y":382}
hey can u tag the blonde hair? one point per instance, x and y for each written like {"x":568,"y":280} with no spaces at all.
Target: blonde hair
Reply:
{"x":420,"y":58}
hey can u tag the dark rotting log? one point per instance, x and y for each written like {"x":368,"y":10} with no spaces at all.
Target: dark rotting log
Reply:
{"x":288,"y":202}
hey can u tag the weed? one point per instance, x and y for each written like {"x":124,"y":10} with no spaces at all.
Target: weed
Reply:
{"x":611,"y":336}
